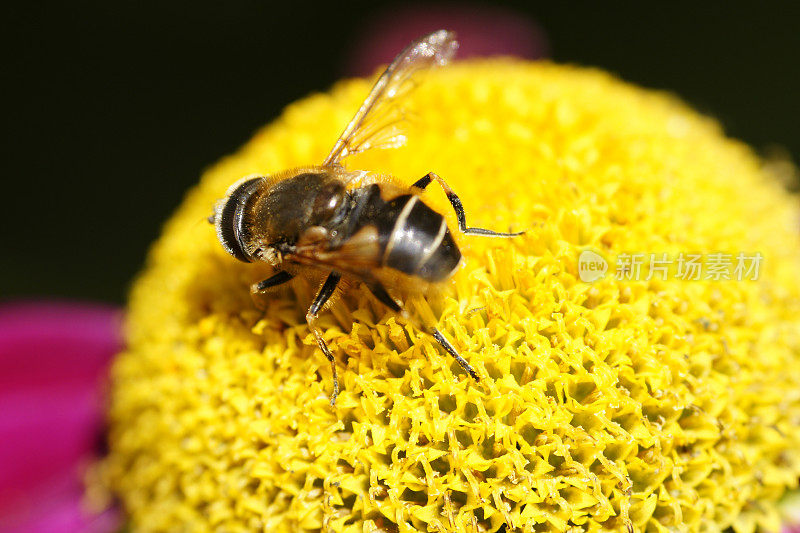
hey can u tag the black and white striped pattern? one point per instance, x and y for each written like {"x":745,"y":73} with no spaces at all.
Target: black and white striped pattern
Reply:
{"x":419,"y":242}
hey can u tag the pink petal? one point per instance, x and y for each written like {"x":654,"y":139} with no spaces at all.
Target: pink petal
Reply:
{"x":53,"y":360}
{"x":57,"y":509}
{"x":54,"y":342}
{"x":482,"y":30}
{"x":43,"y":431}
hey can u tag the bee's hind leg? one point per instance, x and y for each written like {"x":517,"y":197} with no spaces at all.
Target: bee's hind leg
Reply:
{"x":325,"y":292}
{"x":380,"y":293}
{"x":455,"y":201}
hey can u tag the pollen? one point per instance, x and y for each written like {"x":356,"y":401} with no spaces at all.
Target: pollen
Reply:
{"x":640,"y":400}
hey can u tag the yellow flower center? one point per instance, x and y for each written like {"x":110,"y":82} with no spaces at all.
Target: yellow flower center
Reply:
{"x":621,"y":402}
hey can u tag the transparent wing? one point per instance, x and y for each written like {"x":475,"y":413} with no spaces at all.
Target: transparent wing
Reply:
{"x":378,"y":122}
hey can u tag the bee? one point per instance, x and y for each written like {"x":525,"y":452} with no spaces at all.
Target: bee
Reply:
{"x":356,"y":225}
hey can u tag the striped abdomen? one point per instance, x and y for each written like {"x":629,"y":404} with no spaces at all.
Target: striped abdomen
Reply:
{"x":417,"y":240}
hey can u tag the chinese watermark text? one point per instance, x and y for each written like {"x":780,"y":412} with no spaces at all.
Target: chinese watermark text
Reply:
{"x":645,"y":266}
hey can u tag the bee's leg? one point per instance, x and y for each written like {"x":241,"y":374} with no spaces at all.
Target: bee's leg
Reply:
{"x":324,"y":294}
{"x":276,"y":279}
{"x":380,"y":293}
{"x":455,"y":201}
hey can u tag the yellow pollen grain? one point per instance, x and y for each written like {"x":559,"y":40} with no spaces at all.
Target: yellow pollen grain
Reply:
{"x":660,"y":405}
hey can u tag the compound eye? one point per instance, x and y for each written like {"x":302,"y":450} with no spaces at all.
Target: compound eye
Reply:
{"x":328,"y":201}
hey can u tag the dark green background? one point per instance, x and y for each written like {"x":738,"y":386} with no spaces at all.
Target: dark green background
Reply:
{"x":115,"y":108}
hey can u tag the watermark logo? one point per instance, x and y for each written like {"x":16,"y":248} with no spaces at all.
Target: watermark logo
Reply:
{"x":591,"y":266}
{"x":640,"y":266}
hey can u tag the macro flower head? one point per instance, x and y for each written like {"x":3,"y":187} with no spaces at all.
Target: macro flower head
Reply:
{"x":644,"y":404}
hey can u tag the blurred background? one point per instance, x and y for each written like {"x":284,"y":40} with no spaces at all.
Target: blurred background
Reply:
{"x":113,"y":109}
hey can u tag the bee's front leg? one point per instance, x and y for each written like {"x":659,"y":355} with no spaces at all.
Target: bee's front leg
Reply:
{"x":325,"y":292}
{"x":276,"y":279}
